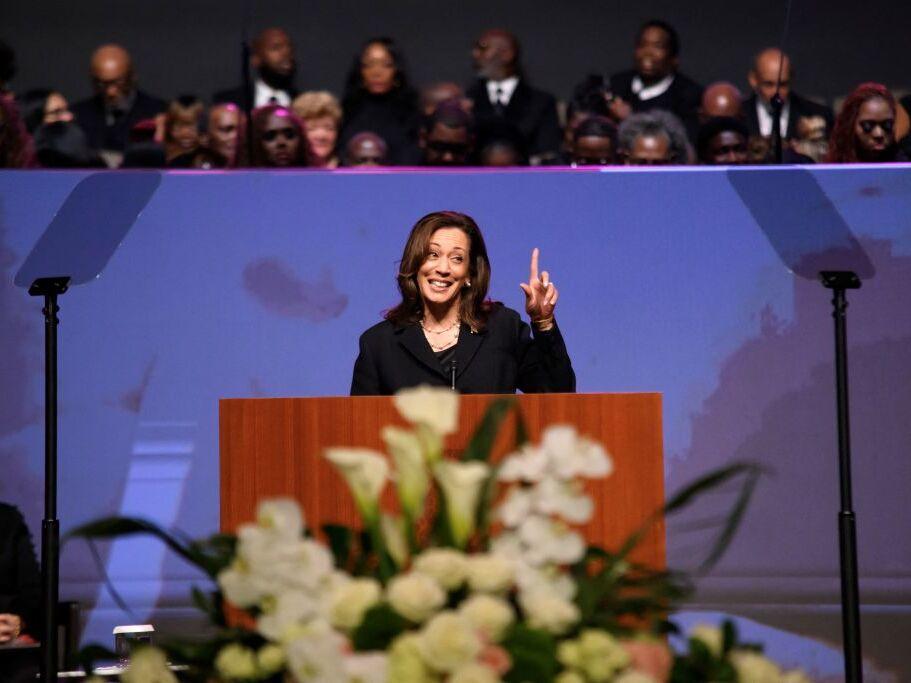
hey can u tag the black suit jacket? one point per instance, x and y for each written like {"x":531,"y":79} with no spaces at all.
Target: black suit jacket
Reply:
{"x":90,"y":116}
{"x":498,"y":360}
{"x":682,"y":98}
{"x":236,"y":96}
{"x":533,"y":112}
{"x":20,"y":578}
{"x":800,"y":107}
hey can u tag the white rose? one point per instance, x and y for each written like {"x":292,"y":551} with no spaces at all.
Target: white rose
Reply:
{"x":461,"y":483}
{"x":445,"y":566}
{"x":365,"y":471}
{"x":236,"y":662}
{"x":752,"y":667}
{"x":282,"y":516}
{"x":148,"y":665}
{"x":412,"y":478}
{"x":489,"y":615}
{"x":710,"y":636}
{"x":270,"y":659}
{"x":546,"y":610}
{"x":406,"y":665}
{"x":316,"y":654}
{"x":490,"y":573}
{"x":367,"y":667}
{"x":433,"y":407}
{"x":449,"y":641}
{"x":473,"y":673}
{"x":284,"y":612}
{"x":415,"y":596}
{"x":347,"y":603}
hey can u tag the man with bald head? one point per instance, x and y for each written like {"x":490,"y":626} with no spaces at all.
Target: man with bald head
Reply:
{"x":721,"y":100}
{"x":272,"y":60}
{"x":501,"y":92}
{"x":762,"y":78}
{"x":117,"y":105}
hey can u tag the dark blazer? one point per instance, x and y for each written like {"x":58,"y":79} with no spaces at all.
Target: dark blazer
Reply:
{"x":533,"y":112}
{"x":20,"y":578}
{"x":90,"y":116}
{"x":800,"y":106}
{"x":682,"y":98}
{"x":505,"y":356}
{"x":236,"y":96}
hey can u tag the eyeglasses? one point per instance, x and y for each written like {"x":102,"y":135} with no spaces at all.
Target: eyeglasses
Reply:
{"x":287,"y":133}
{"x":868,"y":125}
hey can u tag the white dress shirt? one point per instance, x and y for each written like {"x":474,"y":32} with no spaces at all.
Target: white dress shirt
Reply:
{"x":264,"y":94}
{"x":501,"y":91}
{"x":765,"y":118}
{"x":650,"y":92}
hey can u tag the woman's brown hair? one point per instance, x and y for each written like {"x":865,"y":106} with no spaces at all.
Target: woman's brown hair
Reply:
{"x":473,"y":307}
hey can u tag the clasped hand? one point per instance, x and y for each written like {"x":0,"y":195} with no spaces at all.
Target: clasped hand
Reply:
{"x":540,"y":295}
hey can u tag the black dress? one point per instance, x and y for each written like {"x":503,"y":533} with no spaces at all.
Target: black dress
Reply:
{"x":394,"y":117}
{"x":504,"y":357}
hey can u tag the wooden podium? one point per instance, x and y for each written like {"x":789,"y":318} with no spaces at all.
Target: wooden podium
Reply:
{"x":273,"y":447}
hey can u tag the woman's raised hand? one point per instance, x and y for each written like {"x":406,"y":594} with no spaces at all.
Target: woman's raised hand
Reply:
{"x":540,"y":295}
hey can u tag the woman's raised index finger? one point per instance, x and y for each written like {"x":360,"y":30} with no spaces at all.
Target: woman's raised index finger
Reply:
{"x":533,"y":274}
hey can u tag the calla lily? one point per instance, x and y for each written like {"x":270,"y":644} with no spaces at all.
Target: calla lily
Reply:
{"x":412,"y":479}
{"x":395,"y":539}
{"x":434,"y":407}
{"x":365,"y":471}
{"x":461,"y":483}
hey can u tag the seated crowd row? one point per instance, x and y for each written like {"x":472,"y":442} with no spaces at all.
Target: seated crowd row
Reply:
{"x":649,"y":115}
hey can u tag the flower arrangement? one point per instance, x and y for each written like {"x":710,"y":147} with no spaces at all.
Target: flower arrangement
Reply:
{"x":480,"y":576}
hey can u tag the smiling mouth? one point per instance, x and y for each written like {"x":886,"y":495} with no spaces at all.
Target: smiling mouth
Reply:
{"x":439,"y":285}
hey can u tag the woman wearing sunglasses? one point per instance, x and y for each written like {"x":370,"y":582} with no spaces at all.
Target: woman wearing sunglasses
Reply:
{"x":864,"y":131}
{"x":278,"y":138}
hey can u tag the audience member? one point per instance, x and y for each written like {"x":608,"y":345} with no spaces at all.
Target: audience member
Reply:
{"x":278,"y":138}
{"x":182,"y":128}
{"x":273,"y":62}
{"x":723,"y":141}
{"x":226,"y":135}
{"x":653,"y":138}
{"x":7,"y":68}
{"x":502,"y":91}
{"x":107,"y":117}
{"x":499,"y":143}
{"x":366,"y":150}
{"x":20,"y":579}
{"x":448,"y":137}
{"x":322,"y":116}
{"x":145,"y":147}
{"x":589,"y":98}
{"x":655,"y":82}
{"x":865,"y":128}
{"x":441,"y":91}
{"x":43,"y":106}
{"x":16,"y":147}
{"x":763,"y":77}
{"x":810,"y":139}
{"x":721,"y":99}
{"x":62,"y":144}
{"x":594,"y":142}
{"x":379,"y":99}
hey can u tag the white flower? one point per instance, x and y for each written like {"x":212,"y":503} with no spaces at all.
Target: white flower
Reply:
{"x":517,"y":505}
{"x":367,"y":667}
{"x":282,"y":516}
{"x":283,"y":613}
{"x":446,"y":566}
{"x":415,"y":596}
{"x":461,"y":483}
{"x":488,"y":573}
{"x":489,"y":615}
{"x":449,"y":641}
{"x":270,"y":659}
{"x":406,"y":665}
{"x":433,"y":407}
{"x":236,"y":662}
{"x":752,"y":667}
{"x":546,"y":610}
{"x":365,"y":472}
{"x":634,"y":676}
{"x":563,"y":499}
{"x":710,"y":636}
{"x":412,"y":480}
{"x":148,"y":665}
{"x":394,"y":537}
{"x":346,"y":604}
{"x":528,"y":465}
{"x":316,"y":654}
{"x":546,"y":540}
{"x":549,"y":578}
{"x":571,"y":456}
{"x":474,"y":673}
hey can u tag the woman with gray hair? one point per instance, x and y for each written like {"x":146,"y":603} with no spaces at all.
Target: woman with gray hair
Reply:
{"x":654,"y":138}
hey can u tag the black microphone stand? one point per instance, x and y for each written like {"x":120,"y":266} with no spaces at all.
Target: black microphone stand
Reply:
{"x":50,"y":288}
{"x":777,"y":101}
{"x":247,"y":83}
{"x":839,"y":281}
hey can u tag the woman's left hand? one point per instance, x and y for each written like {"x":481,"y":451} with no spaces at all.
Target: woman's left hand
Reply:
{"x":540,"y":296}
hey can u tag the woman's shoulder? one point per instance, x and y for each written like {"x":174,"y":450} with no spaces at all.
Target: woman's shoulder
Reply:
{"x":501,"y":316}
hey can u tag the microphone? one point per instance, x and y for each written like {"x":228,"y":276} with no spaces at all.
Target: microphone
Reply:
{"x":452,"y":373}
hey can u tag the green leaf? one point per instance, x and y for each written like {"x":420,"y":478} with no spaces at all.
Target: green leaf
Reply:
{"x":381,"y":625}
{"x":481,"y":443}
{"x":729,"y":636}
{"x":533,"y":653}
{"x":340,"y":542}
{"x":210,"y":604}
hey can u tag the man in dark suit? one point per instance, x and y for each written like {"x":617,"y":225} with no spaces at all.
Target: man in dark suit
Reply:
{"x":118,"y":105}
{"x":273,"y":61}
{"x":655,"y":82}
{"x":763,"y":77}
{"x":502,"y":93}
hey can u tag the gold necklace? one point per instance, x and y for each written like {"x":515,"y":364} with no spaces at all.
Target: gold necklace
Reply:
{"x":446,"y":344}
{"x":455,"y":322}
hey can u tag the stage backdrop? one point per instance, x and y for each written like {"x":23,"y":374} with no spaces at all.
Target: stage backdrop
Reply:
{"x":259,"y":283}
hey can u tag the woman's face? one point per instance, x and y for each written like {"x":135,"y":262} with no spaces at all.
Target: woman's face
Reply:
{"x":321,"y":133}
{"x":280,"y":139}
{"x":444,"y":272}
{"x":185,"y":134}
{"x":377,"y":69}
{"x":56,"y":108}
{"x":874,"y":129}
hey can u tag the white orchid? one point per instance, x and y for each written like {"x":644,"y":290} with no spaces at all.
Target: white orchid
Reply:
{"x":546,"y":610}
{"x":461,"y":483}
{"x":571,"y":455}
{"x":529,"y":464}
{"x":365,"y":471}
{"x":565,"y":499}
{"x":549,"y":541}
{"x":412,"y":479}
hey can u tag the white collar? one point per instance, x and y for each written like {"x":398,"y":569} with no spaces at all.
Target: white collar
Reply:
{"x":652,"y":91}
{"x":263,"y":92}
{"x":764,"y":117}
{"x":506,"y":87}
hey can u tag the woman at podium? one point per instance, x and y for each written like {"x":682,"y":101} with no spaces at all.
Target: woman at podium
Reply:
{"x":446,"y":332}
